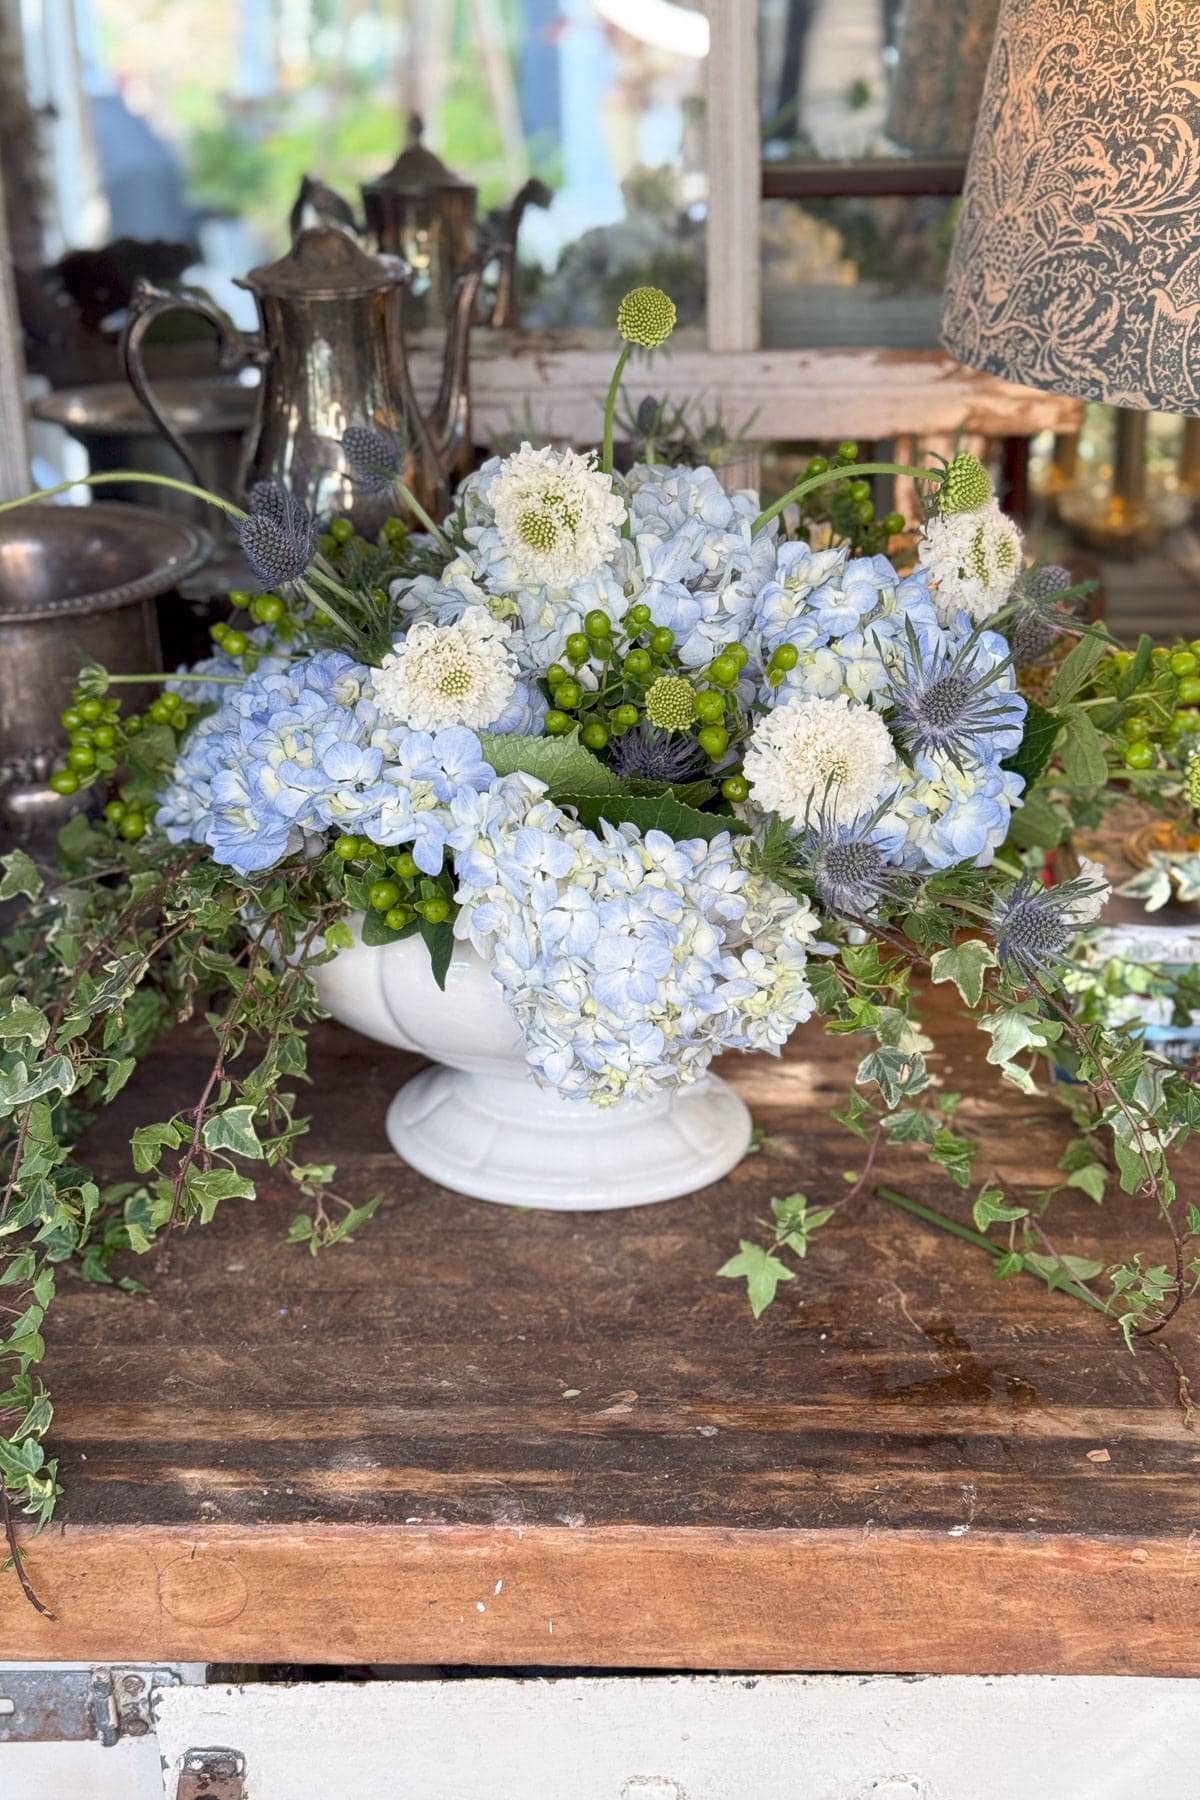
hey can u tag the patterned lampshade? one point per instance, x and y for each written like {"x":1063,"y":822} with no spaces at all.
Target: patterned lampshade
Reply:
{"x":1076,"y":264}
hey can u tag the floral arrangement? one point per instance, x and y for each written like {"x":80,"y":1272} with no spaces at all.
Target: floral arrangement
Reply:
{"x":685,"y":770}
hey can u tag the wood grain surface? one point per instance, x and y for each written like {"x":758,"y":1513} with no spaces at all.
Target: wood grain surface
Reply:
{"x":480,"y":1435}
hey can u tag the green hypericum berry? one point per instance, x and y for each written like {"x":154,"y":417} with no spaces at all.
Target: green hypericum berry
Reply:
{"x":785,"y":656}
{"x":578,"y":647}
{"x":637,"y":663}
{"x":624,"y":717}
{"x":557,"y":723}
{"x":236,"y":643}
{"x":714,"y":741}
{"x":341,"y":530}
{"x":966,"y":487}
{"x":736,"y":788}
{"x":556,"y":673}
{"x":598,"y":624}
{"x":105,"y":737}
{"x":724,"y":670}
{"x":892,"y":523}
{"x":436,"y":909}
{"x":847,"y":451}
{"x":347,"y":848}
{"x":63,"y":782}
{"x":646,"y":316}
{"x":397,"y":917}
{"x":132,"y":827}
{"x":91,"y":710}
{"x":710,"y":706}
{"x":637,"y":616}
{"x":70,"y":719}
{"x":114,"y":812}
{"x":671,"y":703}
{"x":1191,"y":781}
{"x":662,"y":640}
{"x":405,"y":865}
{"x":267,"y":609}
{"x":81,"y":757}
{"x":382,"y":895}
{"x":594,"y":735}
{"x":567,"y":696}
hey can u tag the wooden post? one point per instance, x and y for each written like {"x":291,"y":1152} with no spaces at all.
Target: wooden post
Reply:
{"x":14,"y":442}
{"x":734,"y":287}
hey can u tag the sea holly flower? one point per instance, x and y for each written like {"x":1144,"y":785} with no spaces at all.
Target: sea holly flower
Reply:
{"x":957,"y":701}
{"x":375,"y":457}
{"x":277,"y":536}
{"x":1035,"y":926}
{"x":648,"y":754}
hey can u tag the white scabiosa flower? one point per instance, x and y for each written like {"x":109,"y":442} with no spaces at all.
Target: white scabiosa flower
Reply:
{"x":441,"y":675}
{"x":558,"y":516}
{"x":972,"y":559}
{"x":820,"y":756}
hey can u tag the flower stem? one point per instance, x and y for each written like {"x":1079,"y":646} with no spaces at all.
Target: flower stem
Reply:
{"x":977,"y":1238}
{"x":326,"y":610}
{"x":414,"y":505}
{"x":174,"y":675}
{"x":167,"y":481}
{"x":812,"y":482}
{"x":610,"y":410}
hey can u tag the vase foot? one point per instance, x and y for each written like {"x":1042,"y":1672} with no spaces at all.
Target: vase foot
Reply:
{"x":495,"y":1138}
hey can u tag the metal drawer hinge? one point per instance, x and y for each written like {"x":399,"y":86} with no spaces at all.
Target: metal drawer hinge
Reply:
{"x":212,"y":1775}
{"x":70,"y":1705}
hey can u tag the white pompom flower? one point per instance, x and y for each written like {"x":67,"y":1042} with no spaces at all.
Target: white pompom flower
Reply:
{"x":442,"y":675}
{"x":558,"y":516}
{"x":972,"y":560}
{"x":813,"y":757}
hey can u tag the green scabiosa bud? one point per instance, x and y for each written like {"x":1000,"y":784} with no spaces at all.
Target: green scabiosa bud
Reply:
{"x":671,"y":703}
{"x":646,"y":316}
{"x":966,"y":487}
{"x":1191,"y":781}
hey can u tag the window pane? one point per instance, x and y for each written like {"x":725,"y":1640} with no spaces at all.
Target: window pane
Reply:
{"x":208,"y":113}
{"x":854,"y":78}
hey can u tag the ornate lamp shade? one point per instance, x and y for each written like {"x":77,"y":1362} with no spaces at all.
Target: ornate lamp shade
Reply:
{"x":1076,"y":263}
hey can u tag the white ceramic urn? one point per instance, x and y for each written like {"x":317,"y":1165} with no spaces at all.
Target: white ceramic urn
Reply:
{"x":477,"y":1122}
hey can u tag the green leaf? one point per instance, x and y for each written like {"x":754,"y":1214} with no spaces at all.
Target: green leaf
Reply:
{"x":118,"y":1074}
{"x":663,"y":813}
{"x":1075,"y":668}
{"x":338,"y":936}
{"x":22,"y":1084}
{"x":1011,"y":1263}
{"x":206,"y":1188}
{"x":20,"y":876}
{"x":1084,"y":761}
{"x":149,"y":1142}
{"x":376,"y":930}
{"x":1090,"y":1180}
{"x":989,"y":1209}
{"x":895,"y":1072}
{"x":300,"y":1229}
{"x":1037,"y":742}
{"x":964,"y":965}
{"x":439,"y":941}
{"x":688,"y":793}
{"x":25,"y":1021}
{"x":564,"y":764}
{"x":1037,"y":824}
{"x":232,"y":1130}
{"x":761,"y":1272}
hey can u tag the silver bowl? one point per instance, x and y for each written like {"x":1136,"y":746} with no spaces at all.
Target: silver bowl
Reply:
{"x":75,"y":582}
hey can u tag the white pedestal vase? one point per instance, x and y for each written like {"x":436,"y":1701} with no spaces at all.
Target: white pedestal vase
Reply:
{"x":479,"y":1123}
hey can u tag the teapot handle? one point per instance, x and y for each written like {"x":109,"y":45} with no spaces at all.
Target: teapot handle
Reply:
{"x":147,"y":305}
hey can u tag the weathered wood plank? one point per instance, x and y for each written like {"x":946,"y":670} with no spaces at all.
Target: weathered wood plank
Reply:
{"x":556,"y":382}
{"x":903,"y":1465}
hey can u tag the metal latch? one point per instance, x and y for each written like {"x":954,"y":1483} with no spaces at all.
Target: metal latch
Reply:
{"x":212,"y":1775}
{"x":98,"y":1705}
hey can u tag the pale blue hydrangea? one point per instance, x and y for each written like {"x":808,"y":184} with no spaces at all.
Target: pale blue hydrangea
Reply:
{"x":301,"y":751}
{"x":628,"y":960}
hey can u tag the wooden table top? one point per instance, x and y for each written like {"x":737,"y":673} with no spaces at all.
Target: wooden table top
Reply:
{"x":492,"y":1437}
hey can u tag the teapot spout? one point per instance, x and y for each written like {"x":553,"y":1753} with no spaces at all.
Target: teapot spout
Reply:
{"x":449,"y":424}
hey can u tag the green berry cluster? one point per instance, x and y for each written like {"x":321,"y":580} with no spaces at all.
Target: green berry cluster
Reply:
{"x":843,"y":510}
{"x":388,"y":882}
{"x":1154,"y":726}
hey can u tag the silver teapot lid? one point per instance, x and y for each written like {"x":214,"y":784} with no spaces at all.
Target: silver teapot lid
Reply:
{"x":323,"y":263}
{"x":417,"y":170}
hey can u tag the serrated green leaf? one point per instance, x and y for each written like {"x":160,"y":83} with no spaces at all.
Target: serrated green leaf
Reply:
{"x":964,"y":965}
{"x":661,"y":813}
{"x":1075,"y":668}
{"x":1084,"y":761}
{"x":233,"y":1130}
{"x":761,"y":1272}
{"x":564,"y":764}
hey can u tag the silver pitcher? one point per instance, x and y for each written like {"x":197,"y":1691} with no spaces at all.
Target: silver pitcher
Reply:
{"x":332,"y":354}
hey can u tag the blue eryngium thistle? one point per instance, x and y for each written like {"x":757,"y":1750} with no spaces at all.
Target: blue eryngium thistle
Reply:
{"x":1038,"y":613}
{"x":277,"y":535}
{"x":949,"y":701}
{"x":375,"y":457}
{"x":1035,"y":926}
{"x":846,"y":863}
{"x":651,"y":755}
